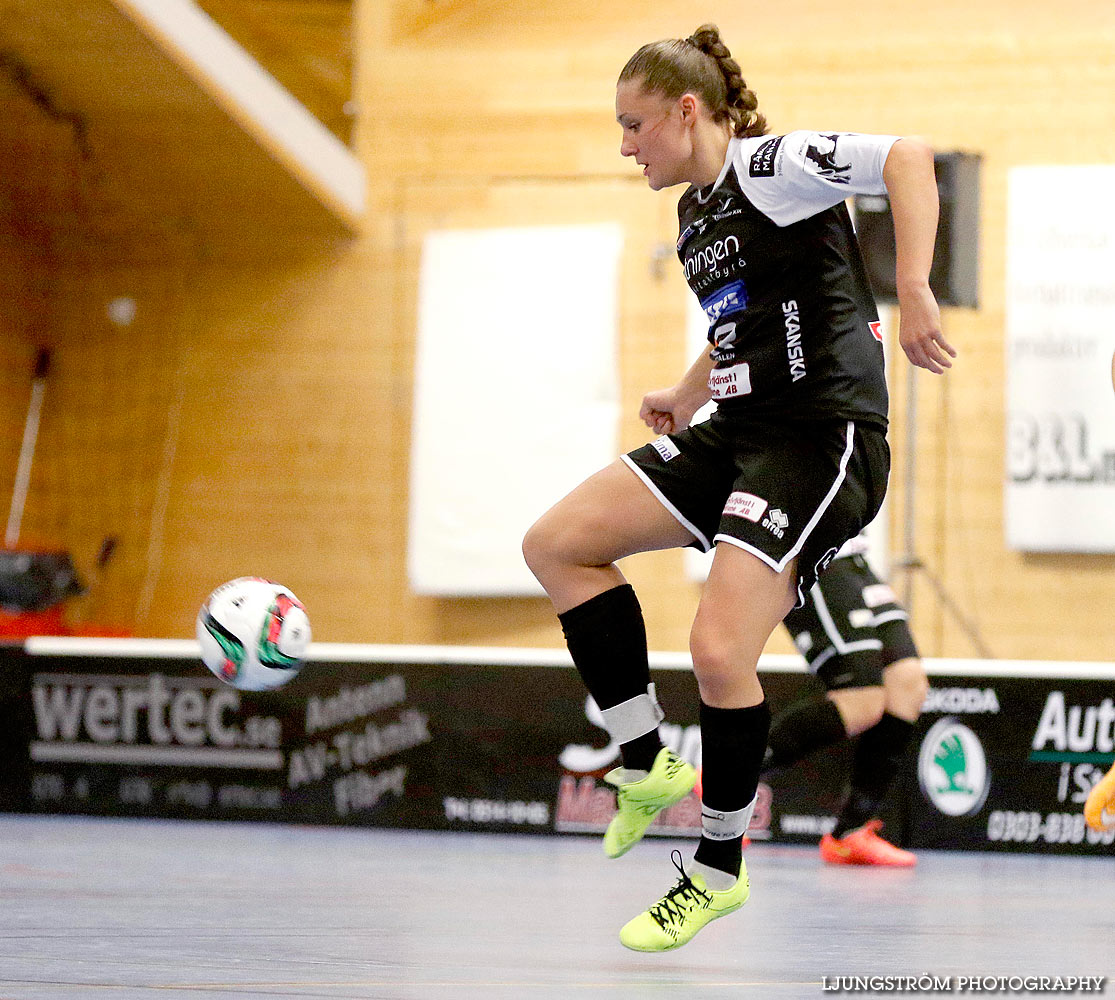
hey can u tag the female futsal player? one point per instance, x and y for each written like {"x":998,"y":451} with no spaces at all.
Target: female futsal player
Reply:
{"x":792,"y":464}
{"x":856,"y":639}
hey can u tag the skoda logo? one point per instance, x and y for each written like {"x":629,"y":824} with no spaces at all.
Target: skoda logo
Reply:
{"x":952,"y":768}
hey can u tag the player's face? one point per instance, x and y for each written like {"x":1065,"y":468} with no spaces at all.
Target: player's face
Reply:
{"x":655,"y":133}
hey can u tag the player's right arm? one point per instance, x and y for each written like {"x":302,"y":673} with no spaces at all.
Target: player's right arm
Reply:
{"x":669,"y":410}
{"x":912,"y":187}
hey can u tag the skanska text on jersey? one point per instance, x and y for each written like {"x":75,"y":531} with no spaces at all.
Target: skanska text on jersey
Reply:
{"x":794,"y":351}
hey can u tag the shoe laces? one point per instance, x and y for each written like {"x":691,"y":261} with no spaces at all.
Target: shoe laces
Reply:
{"x":673,"y":764}
{"x":672,"y":907}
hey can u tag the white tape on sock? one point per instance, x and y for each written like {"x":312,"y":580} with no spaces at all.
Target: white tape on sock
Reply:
{"x":726,"y":825}
{"x":633,"y":718}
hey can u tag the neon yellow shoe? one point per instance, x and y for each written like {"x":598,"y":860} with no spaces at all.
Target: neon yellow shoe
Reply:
{"x":638,"y":802}
{"x":684,"y":910}
{"x":1099,"y":809}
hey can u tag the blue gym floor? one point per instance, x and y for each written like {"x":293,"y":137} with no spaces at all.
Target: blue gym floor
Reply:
{"x":148,"y":910}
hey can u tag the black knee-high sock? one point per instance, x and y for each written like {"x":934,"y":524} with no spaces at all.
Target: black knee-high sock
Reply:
{"x":733,"y":741}
{"x":877,"y":759}
{"x":607,"y":639}
{"x":804,"y":727}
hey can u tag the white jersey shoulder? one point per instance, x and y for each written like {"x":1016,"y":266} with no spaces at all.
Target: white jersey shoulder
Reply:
{"x":793,"y":176}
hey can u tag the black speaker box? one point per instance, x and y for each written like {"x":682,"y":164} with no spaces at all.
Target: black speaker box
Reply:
{"x":954,"y":277}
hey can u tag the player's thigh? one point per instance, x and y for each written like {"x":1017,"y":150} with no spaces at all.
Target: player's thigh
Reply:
{"x":610,"y":515}
{"x":742,"y":603}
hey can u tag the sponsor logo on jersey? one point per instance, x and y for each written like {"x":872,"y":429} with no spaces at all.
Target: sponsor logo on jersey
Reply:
{"x":820,"y":151}
{"x":710,"y":256}
{"x":726,"y":300}
{"x":696,"y":227}
{"x":795,"y":353}
{"x":876,"y":330}
{"x":723,"y":338}
{"x":724,"y":207}
{"x":776,"y":522}
{"x":763,"y":159}
{"x":665,"y":447}
{"x":745,"y":505}
{"x":724,"y":383}
{"x":952,"y":768}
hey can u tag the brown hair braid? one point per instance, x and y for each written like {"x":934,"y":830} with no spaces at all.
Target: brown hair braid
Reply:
{"x":700,"y":64}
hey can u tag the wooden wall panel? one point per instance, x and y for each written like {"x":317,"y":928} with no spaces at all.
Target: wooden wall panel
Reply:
{"x":17,"y":357}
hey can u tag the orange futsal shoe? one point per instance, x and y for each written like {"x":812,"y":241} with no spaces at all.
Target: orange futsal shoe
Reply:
{"x":864,"y":847}
{"x":1099,"y":810}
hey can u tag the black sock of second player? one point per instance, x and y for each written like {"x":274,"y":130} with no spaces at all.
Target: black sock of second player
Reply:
{"x":875,"y":763}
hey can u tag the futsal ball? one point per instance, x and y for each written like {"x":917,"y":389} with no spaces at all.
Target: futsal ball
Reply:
{"x":253,"y":633}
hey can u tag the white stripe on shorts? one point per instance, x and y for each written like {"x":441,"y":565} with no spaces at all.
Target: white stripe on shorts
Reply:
{"x":819,"y":512}
{"x":827,"y":623}
{"x":678,"y":515}
{"x":780,"y":565}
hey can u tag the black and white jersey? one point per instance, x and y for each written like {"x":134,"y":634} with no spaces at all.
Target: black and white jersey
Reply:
{"x":771,"y":255}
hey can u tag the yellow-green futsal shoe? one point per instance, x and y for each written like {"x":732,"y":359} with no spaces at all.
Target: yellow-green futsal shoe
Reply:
{"x":638,"y":802}
{"x":683,"y":911}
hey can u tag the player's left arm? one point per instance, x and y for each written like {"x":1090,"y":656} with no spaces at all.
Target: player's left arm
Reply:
{"x":912,"y":187}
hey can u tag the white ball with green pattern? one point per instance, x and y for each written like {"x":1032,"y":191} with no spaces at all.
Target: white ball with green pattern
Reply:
{"x":253,"y":633}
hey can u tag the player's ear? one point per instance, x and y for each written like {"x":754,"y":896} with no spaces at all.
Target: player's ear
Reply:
{"x":687,"y":104}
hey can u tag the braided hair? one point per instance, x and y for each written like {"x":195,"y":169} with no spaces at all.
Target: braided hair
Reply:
{"x":700,"y":64}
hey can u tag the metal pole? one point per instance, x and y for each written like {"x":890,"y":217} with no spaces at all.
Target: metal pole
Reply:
{"x":27,"y":449}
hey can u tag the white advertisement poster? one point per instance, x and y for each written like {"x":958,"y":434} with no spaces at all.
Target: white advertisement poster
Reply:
{"x":516,"y":395}
{"x":1060,"y":318}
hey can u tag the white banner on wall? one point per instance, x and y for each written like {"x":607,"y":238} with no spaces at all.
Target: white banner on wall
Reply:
{"x":1060,"y":317}
{"x":516,"y":395}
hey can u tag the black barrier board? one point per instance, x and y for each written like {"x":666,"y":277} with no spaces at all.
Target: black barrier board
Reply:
{"x":997,"y":762}
{"x":1005,"y":763}
{"x":401,"y":744}
{"x":15,"y":731}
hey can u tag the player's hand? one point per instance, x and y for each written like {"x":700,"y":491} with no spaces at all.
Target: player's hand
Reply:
{"x":664,"y":412}
{"x":919,"y":331}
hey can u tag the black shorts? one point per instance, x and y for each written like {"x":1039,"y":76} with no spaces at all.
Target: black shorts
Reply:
{"x":851,"y":627}
{"x":779,"y":491}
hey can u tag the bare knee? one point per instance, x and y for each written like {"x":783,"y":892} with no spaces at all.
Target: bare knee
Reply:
{"x":554,"y":541}
{"x":540,"y":547}
{"x":906,"y":688}
{"x":565,"y":555}
{"x":726,"y":675}
{"x":860,"y":708}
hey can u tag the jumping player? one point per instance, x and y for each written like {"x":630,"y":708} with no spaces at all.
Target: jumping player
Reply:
{"x":792,"y":464}
{"x":1099,"y":807}
{"x":856,"y":639}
